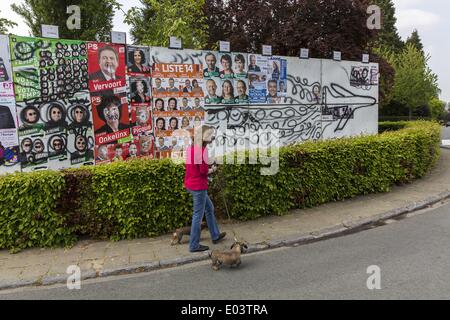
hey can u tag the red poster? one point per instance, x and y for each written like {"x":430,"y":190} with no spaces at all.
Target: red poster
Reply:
{"x":141,"y":119}
{"x":106,"y":67}
{"x":111,"y":120}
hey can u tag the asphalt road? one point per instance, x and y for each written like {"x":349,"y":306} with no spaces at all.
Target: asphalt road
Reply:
{"x":413,"y":256}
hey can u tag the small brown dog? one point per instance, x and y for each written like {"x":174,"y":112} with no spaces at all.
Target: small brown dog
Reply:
{"x":230,"y":257}
{"x":180,"y":232}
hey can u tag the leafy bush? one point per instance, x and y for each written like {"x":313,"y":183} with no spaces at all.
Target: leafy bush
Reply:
{"x":143,"y":198}
{"x":391,"y":126}
{"x":28,"y":215}
{"x":314,"y":173}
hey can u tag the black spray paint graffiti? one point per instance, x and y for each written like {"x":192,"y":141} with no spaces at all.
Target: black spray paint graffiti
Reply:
{"x":350,"y":102}
{"x":364,"y":77}
{"x":288,"y":123}
{"x":62,"y":70}
{"x":177,"y":57}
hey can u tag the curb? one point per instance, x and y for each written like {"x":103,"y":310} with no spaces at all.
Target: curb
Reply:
{"x":346,"y":228}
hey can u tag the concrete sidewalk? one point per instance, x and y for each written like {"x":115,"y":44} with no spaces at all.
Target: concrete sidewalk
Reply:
{"x":100,"y":258}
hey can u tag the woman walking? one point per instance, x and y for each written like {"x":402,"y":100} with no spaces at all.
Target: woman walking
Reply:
{"x":196,"y":183}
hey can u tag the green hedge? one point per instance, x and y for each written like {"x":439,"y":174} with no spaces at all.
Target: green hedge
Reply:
{"x":314,"y":173}
{"x":391,"y":126}
{"x":28,"y":215}
{"x":143,"y":198}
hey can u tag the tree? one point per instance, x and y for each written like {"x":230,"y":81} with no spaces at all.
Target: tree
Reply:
{"x":96,"y":17}
{"x":415,"y":83}
{"x":157,"y":20}
{"x":388,"y":37}
{"x":415,"y":40}
{"x":321,"y":26}
{"x":437,"y":108}
{"x":5,"y":24}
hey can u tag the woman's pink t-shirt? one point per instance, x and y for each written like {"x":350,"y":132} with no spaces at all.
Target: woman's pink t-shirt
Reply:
{"x":196,"y":177}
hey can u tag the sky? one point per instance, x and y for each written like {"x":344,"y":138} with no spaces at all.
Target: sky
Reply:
{"x":427,"y":16}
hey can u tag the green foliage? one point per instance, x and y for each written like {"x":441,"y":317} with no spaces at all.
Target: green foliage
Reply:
{"x":415,"y":40}
{"x":157,"y":20}
{"x":140,"y":198}
{"x":96,"y":17}
{"x":391,"y":126}
{"x":437,"y":108}
{"x":314,"y":173}
{"x":144,"y":198}
{"x":5,"y":24}
{"x":415,"y":83}
{"x":27,"y":211}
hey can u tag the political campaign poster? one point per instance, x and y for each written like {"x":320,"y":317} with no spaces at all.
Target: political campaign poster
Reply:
{"x":140,"y":91}
{"x":226,"y":70}
{"x":33,"y":152}
{"x":210,"y":66}
{"x":178,"y":104}
{"x":111,"y":119}
{"x":267,"y":76}
{"x":227,"y":91}
{"x":138,"y":61}
{"x":213,"y":91}
{"x":279,"y":75}
{"x":146,"y":145}
{"x":107,"y":68}
{"x":48,"y":69}
{"x":141,"y":119}
{"x":241,"y":91}
{"x":177,"y":80}
{"x":80,"y":134}
{"x":51,"y":75}
{"x":9,"y":142}
{"x":240,"y":67}
{"x":258,"y":73}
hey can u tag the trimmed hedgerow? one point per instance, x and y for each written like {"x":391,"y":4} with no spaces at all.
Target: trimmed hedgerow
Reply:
{"x":314,"y":173}
{"x":28,"y":215}
{"x":143,"y":198}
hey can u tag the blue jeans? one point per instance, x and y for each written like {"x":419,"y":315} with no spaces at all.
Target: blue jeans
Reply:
{"x":202,"y":206}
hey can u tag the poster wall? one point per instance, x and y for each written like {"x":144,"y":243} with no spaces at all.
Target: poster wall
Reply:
{"x":9,"y":144}
{"x":50,"y":80}
{"x":66,"y":103}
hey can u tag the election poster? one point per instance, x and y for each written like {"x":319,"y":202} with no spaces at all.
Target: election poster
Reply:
{"x":9,"y":143}
{"x":267,"y":79}
{"x":80,"y":134}
{"x":138,"y":61}
{"x":48,"y":69}
{"x":107,"y":68}
{"x":51,"y":76}
{"x":178,"y":106}
{"x":240,"y":66}
{"x":111,"y":119}
{"x":140,"y":102}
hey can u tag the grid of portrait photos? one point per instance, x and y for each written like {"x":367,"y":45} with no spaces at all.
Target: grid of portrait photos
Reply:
{"x":53,"y":103}
{"x":178,"y":106}
{"x":140,"y":102}
{"x":225,"y":78}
